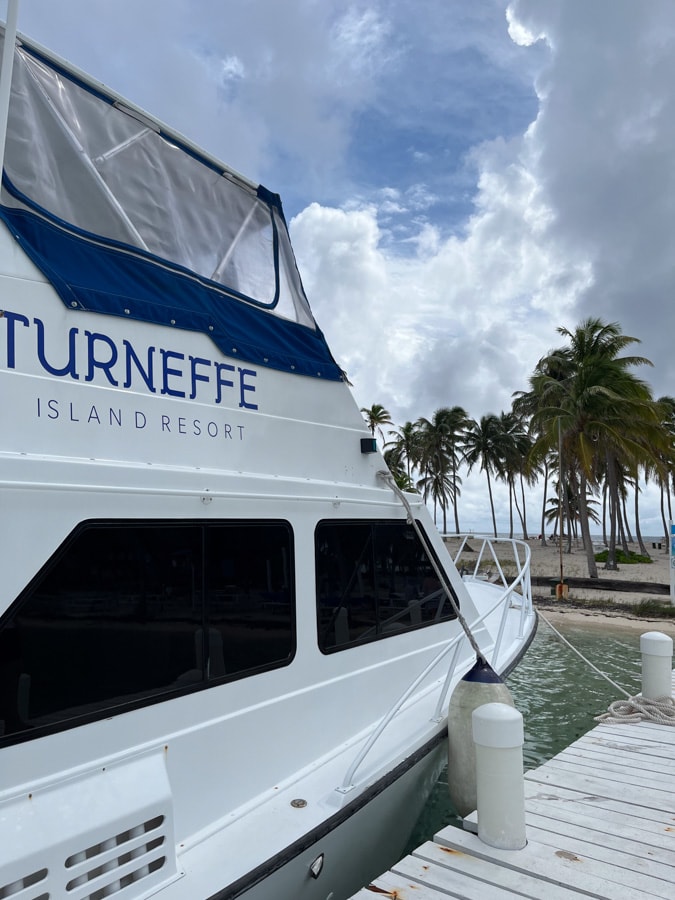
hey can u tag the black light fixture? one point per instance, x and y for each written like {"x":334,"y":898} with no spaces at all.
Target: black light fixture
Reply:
{"x":368,"y":445}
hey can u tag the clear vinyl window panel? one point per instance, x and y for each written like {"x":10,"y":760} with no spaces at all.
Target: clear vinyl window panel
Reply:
{"x":373,"y":580}
{"x":127,"y":612}
{"x":108,"y":170}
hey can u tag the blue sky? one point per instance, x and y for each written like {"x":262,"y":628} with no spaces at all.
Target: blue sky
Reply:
{"x":460,"y":177}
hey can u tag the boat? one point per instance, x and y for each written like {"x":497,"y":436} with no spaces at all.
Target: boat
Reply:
{"x":227,"y":639}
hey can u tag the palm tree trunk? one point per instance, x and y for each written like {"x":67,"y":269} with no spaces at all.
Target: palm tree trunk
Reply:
{"x":612,"y":496}
{"x":568,"y":519}
{"x":511,"y":492}
{"x":638,"y":532}
{"x":492,"y":505}
{"x":454,"y":493}
{"x":543,"y":506}
{"x":585,"y":529}
{"x":523,"y":515}
{"x":622,"y":535}
{"x":663,"y":513}
{"x":626,"y":524}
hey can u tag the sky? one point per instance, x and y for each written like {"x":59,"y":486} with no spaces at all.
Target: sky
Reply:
{"x":460,"y":178}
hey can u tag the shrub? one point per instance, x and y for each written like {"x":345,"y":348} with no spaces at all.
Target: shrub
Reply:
{"x":654,"y":608}
{"x":621,"y":557}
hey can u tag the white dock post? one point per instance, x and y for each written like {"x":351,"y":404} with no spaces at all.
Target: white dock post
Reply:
{"x":498,"y":737}
{"x":657,"y":664}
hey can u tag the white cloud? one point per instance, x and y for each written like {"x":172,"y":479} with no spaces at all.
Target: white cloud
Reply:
{"x":519,"y":33}
{"x":362,"y":41}
{"x":232,"y":68}
{"x":605,"y":141}
{"x":464,"y":319}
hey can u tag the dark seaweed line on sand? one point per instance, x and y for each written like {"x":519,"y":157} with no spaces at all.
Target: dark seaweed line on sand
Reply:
{"x":606,"y":584}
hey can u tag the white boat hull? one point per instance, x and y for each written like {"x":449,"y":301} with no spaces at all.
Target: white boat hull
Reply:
{"x":355,"y":847}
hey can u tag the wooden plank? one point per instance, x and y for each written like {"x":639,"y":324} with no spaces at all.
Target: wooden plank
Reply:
{"x":433,"y":858}
{"x":635,"y":742}
{"x":620,"y":764}
{"x":639,"y":816}
{"x":603,"y":842}
{"x":594,"y":878}
{"x":611,"y":773}
{"x":648,"y":731}
{"x":647,"y":833}
{"x":632,"y":871}
{"x":625,"y":756}
{"x":398,"y":887}
{"x":630,"y":735}
{"x":592,"y":784}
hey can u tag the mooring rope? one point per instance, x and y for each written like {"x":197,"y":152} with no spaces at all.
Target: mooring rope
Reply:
{"x":640,"y":709}
{"x":634,"y":708}
{"x":387,"y":477}
{"x":581,"y":655}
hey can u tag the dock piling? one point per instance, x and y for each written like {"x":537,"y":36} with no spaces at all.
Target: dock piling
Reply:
{"x":498,"y":738}
{"x":657,"y":664}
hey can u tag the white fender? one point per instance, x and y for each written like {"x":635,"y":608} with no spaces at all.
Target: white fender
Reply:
{"x":480,"y":685}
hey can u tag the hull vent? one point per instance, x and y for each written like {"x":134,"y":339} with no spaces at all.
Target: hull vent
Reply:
{"x":20,"y":890}
{"x":127,"y":858}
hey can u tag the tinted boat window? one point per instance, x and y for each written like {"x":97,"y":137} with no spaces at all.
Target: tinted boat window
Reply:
{"x":249,"y":607}
{"x":127,"y":611}
{"x":374,"y":580}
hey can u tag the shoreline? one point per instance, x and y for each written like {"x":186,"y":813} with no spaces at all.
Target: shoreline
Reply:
{"x":573,"y":611}
{"x":576,"y":616}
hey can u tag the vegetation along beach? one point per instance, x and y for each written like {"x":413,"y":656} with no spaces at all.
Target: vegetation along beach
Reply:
{"x":589,"y":432}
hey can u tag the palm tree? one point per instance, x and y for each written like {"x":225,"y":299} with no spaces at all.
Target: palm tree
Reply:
{"x":397,"y":469}
{"x":661,"y":465}
{"x":376,"y":416}
{"x":439,"y":452}
{"x":483,"y":446}
{"x":515,"y":445}
{"x":405,"y":447}
{"x":584,"y":397}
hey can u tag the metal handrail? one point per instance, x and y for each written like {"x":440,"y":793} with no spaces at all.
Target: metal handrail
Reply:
{"x":522,"y":580}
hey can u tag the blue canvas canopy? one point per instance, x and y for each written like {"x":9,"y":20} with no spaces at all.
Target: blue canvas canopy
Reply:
{"x":126,"y":218}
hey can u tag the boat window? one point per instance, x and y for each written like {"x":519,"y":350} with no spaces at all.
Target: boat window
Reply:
{"x":374,"y":580}
{"x":133,"y":612}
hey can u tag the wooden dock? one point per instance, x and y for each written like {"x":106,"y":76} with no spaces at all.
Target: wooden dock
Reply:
{"x":600,"y":823}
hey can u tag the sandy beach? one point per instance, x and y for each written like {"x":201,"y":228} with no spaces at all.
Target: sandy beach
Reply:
{"x":598,"y":608}
{"x":546,"y":563}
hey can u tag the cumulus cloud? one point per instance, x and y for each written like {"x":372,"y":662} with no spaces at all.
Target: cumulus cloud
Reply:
{"x":461,"y":320}
{"x":605,"y":141}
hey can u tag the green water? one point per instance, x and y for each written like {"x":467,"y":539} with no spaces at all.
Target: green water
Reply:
{"x":558,"y":696}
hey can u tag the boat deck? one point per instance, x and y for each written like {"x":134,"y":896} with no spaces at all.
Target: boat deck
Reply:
{"x":600,"y":823}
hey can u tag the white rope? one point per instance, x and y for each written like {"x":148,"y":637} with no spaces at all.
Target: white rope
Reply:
{"x":581,"y":656}
{"x":660,"y":710}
